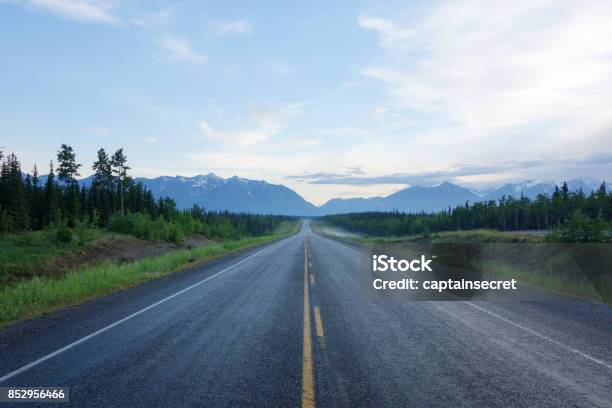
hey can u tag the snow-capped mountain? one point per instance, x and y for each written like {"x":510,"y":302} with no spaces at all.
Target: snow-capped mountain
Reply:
{"x":436,"y":198}
{"x":532,"y":188}
{"x":257,"y":196}
{"x":233,"y":194}
{"x":411,"y":199}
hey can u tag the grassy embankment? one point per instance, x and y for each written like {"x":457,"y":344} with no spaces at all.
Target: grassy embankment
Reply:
{"x":41,"y":294}
{"x":581,"y":288}
{"x":505,"y":261}
{"x":472,"y":236}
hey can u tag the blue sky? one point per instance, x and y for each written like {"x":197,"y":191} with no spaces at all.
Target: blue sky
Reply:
{"x":334,"y":99}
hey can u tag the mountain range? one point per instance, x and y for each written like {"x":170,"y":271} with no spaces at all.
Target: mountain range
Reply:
{"x":257,"y":196}
{"x":436,"y":198}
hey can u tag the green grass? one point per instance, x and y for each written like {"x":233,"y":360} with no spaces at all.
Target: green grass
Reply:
{"x":31,"y":253}
{"x":598,"y":291}
{"x":40,"y":295}
{"x":471,"y":236}
{"x":504,"y":263}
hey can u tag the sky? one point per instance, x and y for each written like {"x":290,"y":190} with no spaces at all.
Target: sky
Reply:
{"x":332,"y":99}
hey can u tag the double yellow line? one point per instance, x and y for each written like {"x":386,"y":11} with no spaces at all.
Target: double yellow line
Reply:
{"x":308,"y":395}
{"x":308,"y":391}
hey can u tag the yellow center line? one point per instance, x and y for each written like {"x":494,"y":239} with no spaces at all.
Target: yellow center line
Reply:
{"x":318,"y":321}
{"x":308,"y":397}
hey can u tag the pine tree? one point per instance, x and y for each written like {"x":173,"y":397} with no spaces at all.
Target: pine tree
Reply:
{"x":15,"y":210}
{"x":120,"y":168}
{"x":103,"y":174}
{"x":51,"y":210}
{"x":36,"y":218}
{"x":68,"y":171}
{"x":68,"y":168}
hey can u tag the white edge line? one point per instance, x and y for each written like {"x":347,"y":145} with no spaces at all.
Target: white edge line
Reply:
{"x":517,"y":325}
{"x":118,"y":322}
{"x":543,"y":337}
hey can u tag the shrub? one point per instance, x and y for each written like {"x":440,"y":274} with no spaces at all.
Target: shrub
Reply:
{"x":580,"y":228}
{"x":121,"y":223}
{"x":25,"y":240}
{"x":63,"y":235}
{"x":175,"y":234}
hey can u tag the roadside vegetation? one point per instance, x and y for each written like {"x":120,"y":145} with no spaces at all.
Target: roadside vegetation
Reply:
{"x":471,"y":236}
{"x":593,"y":286}
{"x":62,"y":242}
{"x":574,"y":227}
{"x":40,"y":295}
{"x":110,"y":200}
{"x":571,"y":216}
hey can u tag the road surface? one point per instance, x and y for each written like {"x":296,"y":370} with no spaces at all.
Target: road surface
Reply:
{"x":287,"y":325}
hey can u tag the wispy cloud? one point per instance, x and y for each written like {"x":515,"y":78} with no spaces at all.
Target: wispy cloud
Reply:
{"x":84,"y":11}
{"x":153,"y":19}
{"x":454,"y":173}
{"x":390,"y":33}
{"x":269,"y":122}
{"x":344,"y":132}
{"x":238,"y":27}
{"x":150,"y":140}
{"x":309,"y":143}
{"x":179,"y":50}
{"x":488,"y":67}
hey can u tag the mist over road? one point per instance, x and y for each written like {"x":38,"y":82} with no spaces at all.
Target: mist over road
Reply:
{"x":287,"y":324}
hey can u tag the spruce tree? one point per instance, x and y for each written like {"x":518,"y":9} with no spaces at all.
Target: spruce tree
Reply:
{"x":16,"y":205}
{"x":68,"y":168}
{"x":103,"y":174}
{"x":68,"y":171}
{"x":51,"y":210}
{"x":120,"y":168}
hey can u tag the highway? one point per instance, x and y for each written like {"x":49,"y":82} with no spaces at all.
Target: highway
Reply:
{"x":288,"y":324}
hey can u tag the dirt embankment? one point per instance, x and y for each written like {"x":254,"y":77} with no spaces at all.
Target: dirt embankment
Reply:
{"x":119,"y":249}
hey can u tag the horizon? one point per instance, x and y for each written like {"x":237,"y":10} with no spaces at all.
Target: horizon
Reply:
{"x":479,"y":191}
{"x":263,"y":93}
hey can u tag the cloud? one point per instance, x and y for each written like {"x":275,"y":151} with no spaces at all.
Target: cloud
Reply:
{"x":150,"y":140}
{"x":84,"y":11}
{"x":575,"y":164}
{"x":488,"y":68}
{"x":380,"y":113}
{"x":390,"y":34}
{"x":355,"y":170}
{"x":269,"y":122}
{"x":215,"y":109}
{"x":153,"y":19}
{"x":238,"y":27}
{"x":179,"y":50}
{"x":344,"y":132}
{"x":309,"y":143}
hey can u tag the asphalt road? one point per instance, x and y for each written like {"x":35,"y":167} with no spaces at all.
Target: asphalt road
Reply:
{"x":288,"y":324}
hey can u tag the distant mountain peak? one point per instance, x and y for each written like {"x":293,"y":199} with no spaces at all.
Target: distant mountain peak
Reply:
{"x":240,"y":194}
{"x":235,"y":194}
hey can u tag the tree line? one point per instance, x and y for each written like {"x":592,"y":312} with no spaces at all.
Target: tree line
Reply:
{"x":112,"y":200}
{"x":560,"y":210}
